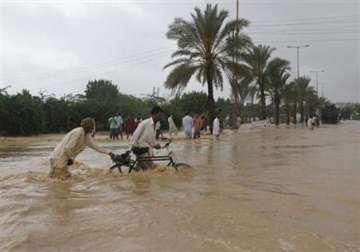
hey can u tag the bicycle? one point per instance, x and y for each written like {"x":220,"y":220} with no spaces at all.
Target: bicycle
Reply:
{"x":127,"y":160}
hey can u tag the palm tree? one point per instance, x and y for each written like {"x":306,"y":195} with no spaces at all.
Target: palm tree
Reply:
{"x":312,"y":101}
{"x":277,"y":76}
{"x":302,"y":84}
{"x":289,"y":96}
{"x":256,"y":63}
{"x":206,"y":48}
{"x":245,"y":90}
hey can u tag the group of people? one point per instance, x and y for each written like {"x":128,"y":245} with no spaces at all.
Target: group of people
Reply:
{"x":193,"y":126}
{"x":313,"y":121}
{"x":118,"y":126}
{"x":142,"y":142}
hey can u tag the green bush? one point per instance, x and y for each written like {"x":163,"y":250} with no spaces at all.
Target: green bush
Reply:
{"x":329,"y":114}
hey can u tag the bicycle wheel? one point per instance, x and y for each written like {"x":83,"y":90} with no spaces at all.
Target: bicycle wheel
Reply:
{"x":181,"y":166}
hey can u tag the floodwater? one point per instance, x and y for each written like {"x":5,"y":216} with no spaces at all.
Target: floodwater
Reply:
{"x":257,"y":189}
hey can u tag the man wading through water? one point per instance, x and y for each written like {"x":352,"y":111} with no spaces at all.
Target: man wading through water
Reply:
{"x":143,"y":139}
{"x":72,"y":145}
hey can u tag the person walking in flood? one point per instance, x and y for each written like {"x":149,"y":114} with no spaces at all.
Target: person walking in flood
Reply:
{"x":113,"y":124}
{"x":204,"y":123}
{"x":197,"y":123}
{"x":158,"y":131}
{"x":172,"y":127}
{"x":310,"y":122}
{"x":120,"y":123}
{"x":143,"y":140}
{"x":72,"y":145}
{"x":216,"y":126}
{"x":187,"y":122}
{"x":130,"y":126}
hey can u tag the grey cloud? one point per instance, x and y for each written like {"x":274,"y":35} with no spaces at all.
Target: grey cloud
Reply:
{"x":59,"y":47}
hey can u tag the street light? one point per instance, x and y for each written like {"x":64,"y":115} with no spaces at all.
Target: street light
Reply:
{"x":297,"y":50}
{"x":317,"y":79}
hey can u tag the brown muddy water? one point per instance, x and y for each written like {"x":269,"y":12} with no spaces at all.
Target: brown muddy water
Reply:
{"x":254,"y":190}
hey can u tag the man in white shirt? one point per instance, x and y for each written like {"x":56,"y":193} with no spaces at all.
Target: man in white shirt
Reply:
{"x":143,"y":140}
{"x":72,"y":145}
{"x":158,"y":130}
{"x":172,"y":127}
{"x":216,"y":127}
{"x":310,"y":123}
{"x":187,"y":125}
{"x":120,"y":123}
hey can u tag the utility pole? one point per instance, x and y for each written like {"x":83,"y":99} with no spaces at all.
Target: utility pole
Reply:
{"x":235,"y":83}
{"x":237,"y":13}
{"x":322,"y":88}
{"x":317,"y":79}
{"x":297,"y":50}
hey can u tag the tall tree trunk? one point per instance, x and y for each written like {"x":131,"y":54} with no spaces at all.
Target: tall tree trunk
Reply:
{"x":262,"y":100}
{"x":277,"y":110}
{"x":235,"y":112}
{"x":211,"y":102}
{"x":294,"y":112}
{"x":301,"y":111}
{"x":287,"y":107}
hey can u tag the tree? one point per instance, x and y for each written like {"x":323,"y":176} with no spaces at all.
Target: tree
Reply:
{"x":312,"y":101}
{"x":21,"y":114}
{"x":55,"y":115}
{"x":277,"y":76}
{"x":355,"y":113}
{"x":204,"y":48}
{"x":237,"y":79}
{"x":245,"y":90}
{"x":289,"y":96}
{"x":301,"y":84}
{"x":256,"y":61}
{"x":330,"y":114}
{"x":101,"y":90}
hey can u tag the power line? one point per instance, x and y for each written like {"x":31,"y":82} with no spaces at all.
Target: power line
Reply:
{"x":138,"y":59}
{"x":309,"y":40}
{"x":331,"y":18}
{"x":285,"y":33}
{"x":309,"y":23}
{"x":316,"y":29}
{"x":70,"y":81}
{"x":184,"y":2}
{"x":120,"y":66}
{"x":114,"y":62}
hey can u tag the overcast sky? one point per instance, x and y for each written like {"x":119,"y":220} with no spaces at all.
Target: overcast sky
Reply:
{"x":58,"y":46}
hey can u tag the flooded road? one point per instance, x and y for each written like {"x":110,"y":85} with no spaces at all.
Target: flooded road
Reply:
{"x":257,"y":189}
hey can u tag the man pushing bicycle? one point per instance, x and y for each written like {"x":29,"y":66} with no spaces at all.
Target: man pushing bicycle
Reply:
{"x":143,"y":140}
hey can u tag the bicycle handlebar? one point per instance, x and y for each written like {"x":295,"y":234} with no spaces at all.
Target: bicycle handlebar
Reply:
{"x":167,"y":144}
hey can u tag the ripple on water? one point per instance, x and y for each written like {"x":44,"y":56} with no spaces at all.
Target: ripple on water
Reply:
{"x":262,"y":190}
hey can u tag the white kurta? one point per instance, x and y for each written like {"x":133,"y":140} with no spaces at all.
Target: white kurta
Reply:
{"x":172,"y":127}
{"x":144,"y":135}
{"x":187,"y":124}
{"x":310,"y":123}
{"x":72,"y":144}
{"x":216,"y":127}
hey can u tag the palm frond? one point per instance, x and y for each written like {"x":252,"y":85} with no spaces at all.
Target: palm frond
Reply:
{"x":234,"y":27}
{"x":180,"y":76}
{"x":176,"y":62}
